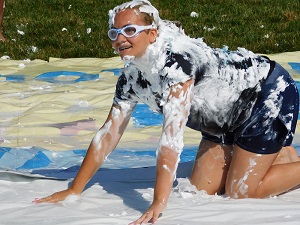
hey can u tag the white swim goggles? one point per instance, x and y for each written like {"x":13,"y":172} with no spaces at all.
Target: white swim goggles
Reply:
{"x":128,"y":31}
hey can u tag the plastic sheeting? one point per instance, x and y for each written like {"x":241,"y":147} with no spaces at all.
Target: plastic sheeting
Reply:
{"x":49,"y":112}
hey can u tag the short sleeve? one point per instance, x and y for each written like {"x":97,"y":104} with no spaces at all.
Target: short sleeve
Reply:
{"x":124,"y":94}
{"x":178,"y":68}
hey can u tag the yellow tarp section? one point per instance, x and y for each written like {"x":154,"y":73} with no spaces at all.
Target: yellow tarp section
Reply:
{"x":65,"y":115}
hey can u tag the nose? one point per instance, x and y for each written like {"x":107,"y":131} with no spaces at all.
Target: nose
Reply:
{"x":120,"y":37}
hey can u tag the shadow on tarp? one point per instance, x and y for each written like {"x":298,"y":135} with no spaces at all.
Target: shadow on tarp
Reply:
{"x":121,"y":182}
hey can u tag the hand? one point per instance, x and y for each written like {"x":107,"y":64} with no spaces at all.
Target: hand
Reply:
{"x":56,"y":197}
{"x":152,"y":214}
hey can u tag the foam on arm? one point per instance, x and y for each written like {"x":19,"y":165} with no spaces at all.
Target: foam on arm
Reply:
{"x":103,"y":143}
{"x":176,"y":112}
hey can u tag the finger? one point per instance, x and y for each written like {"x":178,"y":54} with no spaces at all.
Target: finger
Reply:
{"x":41,"y":200}
{"x":51,"y":199}
{"x":140,"y":220}
{"x":36,"y":200}
{"x":145,"y":218}
{"x":155,"y":217}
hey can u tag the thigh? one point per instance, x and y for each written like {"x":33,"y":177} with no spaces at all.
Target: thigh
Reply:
{"x":247,"y":170}
{"x":287,"y":154}
{"x":211,"y":166}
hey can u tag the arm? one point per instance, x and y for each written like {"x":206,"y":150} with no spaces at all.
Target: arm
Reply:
{"x":103,"y":143}
{"x":176,"y":112}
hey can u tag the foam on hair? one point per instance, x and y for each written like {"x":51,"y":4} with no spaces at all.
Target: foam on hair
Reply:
{"x":144,"y":6}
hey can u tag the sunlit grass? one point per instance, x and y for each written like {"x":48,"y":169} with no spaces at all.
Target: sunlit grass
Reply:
{"x":70,"y":29}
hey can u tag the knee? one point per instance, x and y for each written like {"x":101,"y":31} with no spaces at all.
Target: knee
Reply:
{"x":240,"y":189}
{"x":211,"y":188}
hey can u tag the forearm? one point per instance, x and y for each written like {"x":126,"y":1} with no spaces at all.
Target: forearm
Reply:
{"x":103,"y":143}
{"x":89,"y":167}
{"x":176,"y":111}
{"x":167,"y":162}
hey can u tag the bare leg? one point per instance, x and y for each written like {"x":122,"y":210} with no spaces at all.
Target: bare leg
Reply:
{"x":1,"y":17}
{"x":211,"y":166}
{"x":258,"y":176}
{"x":286,"y":155}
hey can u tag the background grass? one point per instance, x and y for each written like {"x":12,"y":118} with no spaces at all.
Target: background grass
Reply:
{"x":264,"y":26}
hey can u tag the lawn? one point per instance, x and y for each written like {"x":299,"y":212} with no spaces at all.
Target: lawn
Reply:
{"x":78,"y":28}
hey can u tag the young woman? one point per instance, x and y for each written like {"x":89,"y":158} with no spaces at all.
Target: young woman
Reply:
{"x":245,"y":106}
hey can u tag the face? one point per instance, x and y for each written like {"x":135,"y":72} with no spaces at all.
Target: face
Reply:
{"x":134,"y":46}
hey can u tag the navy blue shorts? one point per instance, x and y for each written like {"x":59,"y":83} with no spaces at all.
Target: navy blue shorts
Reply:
{"x":273,"y":120}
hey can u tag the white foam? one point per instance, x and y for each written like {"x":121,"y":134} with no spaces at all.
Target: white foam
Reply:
{"x":123,"y":204}
{"x":97,"y":140}
{"x":145,"y":6}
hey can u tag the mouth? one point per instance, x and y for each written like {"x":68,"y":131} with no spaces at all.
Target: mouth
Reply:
{"x":123,"y":48}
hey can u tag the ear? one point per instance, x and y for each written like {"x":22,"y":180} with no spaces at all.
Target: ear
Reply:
{"x":153,"y":34}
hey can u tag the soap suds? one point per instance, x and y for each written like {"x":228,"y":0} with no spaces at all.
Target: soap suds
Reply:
{"x":97,"y":140}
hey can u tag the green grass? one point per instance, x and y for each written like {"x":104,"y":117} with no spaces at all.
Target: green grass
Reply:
{"x":264,"y":26}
